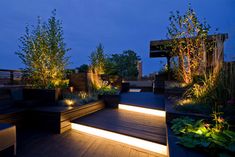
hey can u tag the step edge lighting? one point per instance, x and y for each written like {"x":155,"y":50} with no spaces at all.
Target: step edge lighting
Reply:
{"x":155,"y":112}
{"x":143,"y":144}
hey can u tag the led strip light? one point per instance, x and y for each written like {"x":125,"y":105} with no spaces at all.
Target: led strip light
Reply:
{"x":142,"y":110}
{"x":143,"y":144}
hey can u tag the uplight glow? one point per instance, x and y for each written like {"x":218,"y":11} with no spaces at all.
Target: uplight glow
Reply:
{"x":142,"y":110}
{"x":143,"y":144}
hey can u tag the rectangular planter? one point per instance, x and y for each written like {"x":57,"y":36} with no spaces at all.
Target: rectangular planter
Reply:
{"x":37,"y":96}
{"x":58,"y":119}
{"x":111,"y":101}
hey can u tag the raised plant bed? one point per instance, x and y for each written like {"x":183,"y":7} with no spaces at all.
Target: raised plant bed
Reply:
{"x":57,"y":118}
{"x":176,"y":150}
{"x":172,"y":113}
{"x":110,"y":100}
{"x":41,"y":96}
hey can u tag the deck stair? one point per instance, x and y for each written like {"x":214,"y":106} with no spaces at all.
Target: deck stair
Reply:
{"x":139,"y":121}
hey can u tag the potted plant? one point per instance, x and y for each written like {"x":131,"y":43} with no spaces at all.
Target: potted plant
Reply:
{"x":43,"y":52}
{"x":47,"y":95}
{"x":110,"y":96}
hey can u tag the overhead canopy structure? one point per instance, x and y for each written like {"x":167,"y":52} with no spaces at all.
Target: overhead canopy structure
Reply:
{"x":162,"y":48}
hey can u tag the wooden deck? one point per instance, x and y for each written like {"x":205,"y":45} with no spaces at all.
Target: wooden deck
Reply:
{"x":139,"y":125}
{"x":75,"y":144}
{"x":32,"y":143}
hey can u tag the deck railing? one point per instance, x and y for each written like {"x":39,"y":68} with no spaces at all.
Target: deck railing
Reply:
{"x":11,"y":77}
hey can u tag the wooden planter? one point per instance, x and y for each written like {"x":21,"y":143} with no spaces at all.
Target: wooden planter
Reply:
{"x":58,"y":118}
{"x":111,"y":101}
{"x":45,"y":96}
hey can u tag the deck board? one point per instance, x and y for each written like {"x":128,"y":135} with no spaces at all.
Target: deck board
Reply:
{"x":73,"y":144}
{"x":143,"y":126}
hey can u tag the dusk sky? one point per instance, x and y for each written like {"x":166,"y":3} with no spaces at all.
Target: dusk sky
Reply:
{"x":117,"y":24}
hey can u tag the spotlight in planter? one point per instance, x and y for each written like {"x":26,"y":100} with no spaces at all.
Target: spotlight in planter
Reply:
{"x":143,"y":144}
{"x":71,"y":89}
{"x":69,"y":102}
{"x":142,"y":110}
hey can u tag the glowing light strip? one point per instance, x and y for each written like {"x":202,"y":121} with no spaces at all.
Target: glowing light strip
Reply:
{"x":134,"y":90}
{"x":143,"y":144}
{"x":142,"y":110}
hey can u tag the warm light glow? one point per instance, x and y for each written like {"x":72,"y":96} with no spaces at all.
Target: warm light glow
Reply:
{"x":143,"y":144}
{"x":69,"y":102}
{"x":183,"y":102}
{"x":134,"y":90}
{"x":143,"y":110}
{"x":71,"y":89}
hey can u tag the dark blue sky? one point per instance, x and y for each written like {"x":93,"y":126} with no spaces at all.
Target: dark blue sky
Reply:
{"x":117,"y":24}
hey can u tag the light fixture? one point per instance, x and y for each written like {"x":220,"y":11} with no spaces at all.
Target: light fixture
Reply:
{"x":155,"y":112}
{"x":69,"y":102}
{"x":143,"y":144}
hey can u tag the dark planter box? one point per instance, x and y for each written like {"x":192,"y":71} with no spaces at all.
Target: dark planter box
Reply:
{"x":111,"y":101}
{"x":125,"y":87}
{"x":45,"y":96}
{"x":57,"y":119}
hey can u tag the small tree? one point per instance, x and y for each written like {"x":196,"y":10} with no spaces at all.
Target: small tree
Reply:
{"x":97,"y":60}
{"x":189,"y":43}
{"x":124,"y":65}
{"x":84,"y":68}
{"x":43,"y":52}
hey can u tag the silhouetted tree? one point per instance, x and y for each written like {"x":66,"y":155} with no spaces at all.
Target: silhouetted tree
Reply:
{"x":124,"y":64}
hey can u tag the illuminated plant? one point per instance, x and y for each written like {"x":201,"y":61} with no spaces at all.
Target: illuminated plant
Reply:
{"x":97,"y":60}
{"x":43,"y":52}
{"x":189,"y":44}
{"x":83,"y":95}
{"x":107,"y":91}
{"x":215,"y":138}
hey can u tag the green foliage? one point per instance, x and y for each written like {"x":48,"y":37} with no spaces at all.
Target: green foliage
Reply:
{"x":210,"y":89}
{"x":124,"y":65}
{"x":189,"y":42}
{"x":97,"y":59}
{"x":79,"y":98}
{"x":107,"y":91}
{"x":43,"y":52}
{"x":178,"y":126}
{"x":83,"y":68}
{"x":215,"y":136}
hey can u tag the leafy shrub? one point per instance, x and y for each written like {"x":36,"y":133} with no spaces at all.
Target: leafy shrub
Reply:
{"x":216,"y":136}
{"x":43,"y":52}
{"x":189,"y":105}
{"x":210,"y":89}
{"x":79,"y":98}
{"x":107,"y":91}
